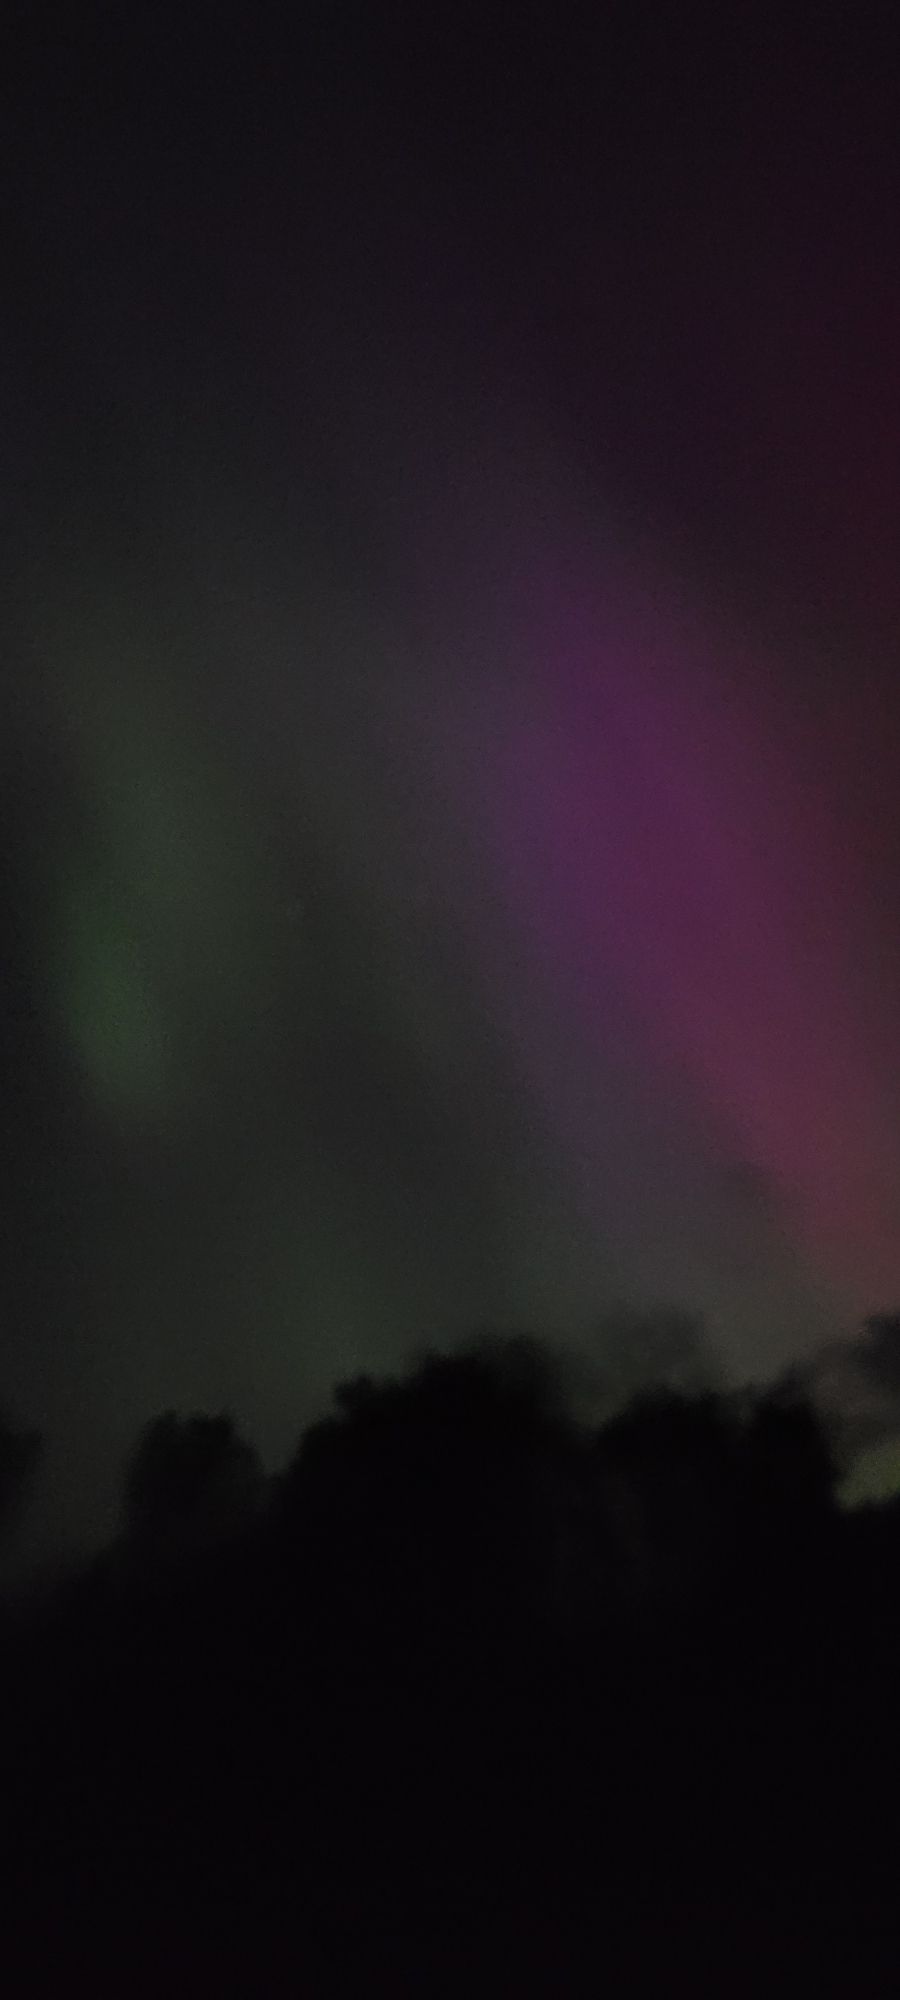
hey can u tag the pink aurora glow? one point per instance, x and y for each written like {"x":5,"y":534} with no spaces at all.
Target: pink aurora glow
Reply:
{"x":658,"y":821}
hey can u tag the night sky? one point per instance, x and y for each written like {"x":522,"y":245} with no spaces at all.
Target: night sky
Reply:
{"x":450,"y":707}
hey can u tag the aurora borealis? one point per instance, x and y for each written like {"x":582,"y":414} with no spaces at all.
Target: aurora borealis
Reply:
{"x":450,"y":719}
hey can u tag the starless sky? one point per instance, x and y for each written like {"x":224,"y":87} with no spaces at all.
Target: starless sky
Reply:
{"x":451,"y":852}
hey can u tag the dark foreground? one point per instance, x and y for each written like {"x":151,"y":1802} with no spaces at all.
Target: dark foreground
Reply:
{"x":318,"y":1761}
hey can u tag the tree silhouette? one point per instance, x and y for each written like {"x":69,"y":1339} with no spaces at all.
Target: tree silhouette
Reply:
{"x":791,"y":1466}
{"x":474,"y":1649}
{"x":191,"y":1482}
{"x":880,"y":1350}
{"x":668,"y":1477}
{"x":663,"y":1348}
{"x":428,"y":1497}
{"x":19,"y":1453}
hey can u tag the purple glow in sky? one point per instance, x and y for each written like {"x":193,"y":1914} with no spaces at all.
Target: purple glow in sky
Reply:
{"x":452,"y":865}
{"x":683,"y":939}
{"x":650,"y":826}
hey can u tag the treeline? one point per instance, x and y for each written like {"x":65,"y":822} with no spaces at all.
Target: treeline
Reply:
{"x":472,"y":1689}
